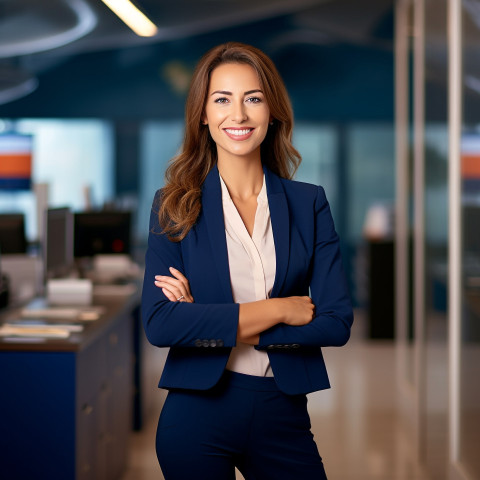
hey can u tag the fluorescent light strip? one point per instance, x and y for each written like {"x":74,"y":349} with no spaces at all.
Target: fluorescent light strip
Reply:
{"x":132,"y":16}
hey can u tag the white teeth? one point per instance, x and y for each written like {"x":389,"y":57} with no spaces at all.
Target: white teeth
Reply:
{"x":238,"y":133}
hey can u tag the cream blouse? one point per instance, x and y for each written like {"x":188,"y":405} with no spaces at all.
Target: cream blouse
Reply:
{"x":252,"y":265}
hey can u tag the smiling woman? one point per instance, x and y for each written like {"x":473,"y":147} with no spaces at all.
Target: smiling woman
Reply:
{"x":234,"y":248}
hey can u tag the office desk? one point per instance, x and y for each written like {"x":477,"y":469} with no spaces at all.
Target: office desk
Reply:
{"x":65,"y":404}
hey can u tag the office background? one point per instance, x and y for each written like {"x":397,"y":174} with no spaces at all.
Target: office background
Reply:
{"x":370,"y":87}
{"x":129,"y":104}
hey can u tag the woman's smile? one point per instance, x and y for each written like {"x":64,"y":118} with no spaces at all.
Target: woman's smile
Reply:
{"x":239,"y":133}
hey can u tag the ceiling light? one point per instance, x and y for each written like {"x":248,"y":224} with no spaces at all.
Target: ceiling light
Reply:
{"x":132,"y":16}
{"x":32,"y":30}
{"x":14,"y":92}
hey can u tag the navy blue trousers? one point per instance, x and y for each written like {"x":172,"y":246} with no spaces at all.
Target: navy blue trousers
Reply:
{"x":243,"y":422}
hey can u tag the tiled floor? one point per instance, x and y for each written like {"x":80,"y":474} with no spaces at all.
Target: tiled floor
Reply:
{"x":355,"y":423}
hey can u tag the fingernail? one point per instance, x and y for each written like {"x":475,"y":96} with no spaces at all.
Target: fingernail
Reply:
{"x":157,"y":277}
{"x":171,"y":268}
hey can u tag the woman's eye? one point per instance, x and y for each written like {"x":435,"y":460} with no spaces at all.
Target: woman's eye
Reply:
{"x":221,"y":100}
{"x":254,"y":99}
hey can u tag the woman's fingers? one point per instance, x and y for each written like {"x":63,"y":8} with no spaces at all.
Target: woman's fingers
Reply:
{"x":180,"y":277}
{"x":177,"y":286}
{"x":172,"y":293}
{"x":176,"y":293}
{"x":169,"y":295}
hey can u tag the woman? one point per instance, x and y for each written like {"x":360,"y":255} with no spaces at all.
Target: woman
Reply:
{"x":234,"y":248}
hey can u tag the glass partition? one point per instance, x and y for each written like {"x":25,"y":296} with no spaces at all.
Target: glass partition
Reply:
{"x":371,"y":173}
{"x":159,"y":142}
{"x":404,"y":91}
{"x":469,"y":395}
{"x":446,"y":206}
{"x":317,"y":144}
{"x":434,"y":417}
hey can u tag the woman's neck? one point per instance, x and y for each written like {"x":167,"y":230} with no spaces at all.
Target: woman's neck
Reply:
{"x":243,"y":178}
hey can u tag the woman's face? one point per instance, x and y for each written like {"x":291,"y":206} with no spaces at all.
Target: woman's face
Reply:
{"x":236,"y":111}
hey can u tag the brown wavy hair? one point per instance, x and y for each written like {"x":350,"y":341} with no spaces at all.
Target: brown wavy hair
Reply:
{"x":181,"y":195}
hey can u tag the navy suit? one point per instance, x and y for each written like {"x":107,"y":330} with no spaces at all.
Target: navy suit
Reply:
{"x":200,"y":334}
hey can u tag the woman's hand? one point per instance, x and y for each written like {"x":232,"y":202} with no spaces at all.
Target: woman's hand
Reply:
{"x":256,"y":317}
{"x":176,"y":288}
{"x":296,"y":311}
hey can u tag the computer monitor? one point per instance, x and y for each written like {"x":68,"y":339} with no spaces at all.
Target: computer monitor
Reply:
{"x":15,"y":161}
{"x":102,"y":232}
{"x":12,"y":233}
{"x":58,"y":242}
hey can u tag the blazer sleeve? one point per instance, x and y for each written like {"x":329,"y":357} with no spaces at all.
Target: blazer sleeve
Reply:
{"x":180,"y":324}
{"x":329,"y":291}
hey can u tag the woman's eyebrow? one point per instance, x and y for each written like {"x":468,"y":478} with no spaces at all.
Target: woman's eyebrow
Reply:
{"x":224,"y":92}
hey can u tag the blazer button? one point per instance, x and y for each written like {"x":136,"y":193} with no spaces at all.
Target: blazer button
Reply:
{"x":271,"y":347}
{"x":213,"y":343}
{"x":198,"y":342}
{"x":219,"y":342}
{"x":295,"y":345}
{"x":205,"y":343}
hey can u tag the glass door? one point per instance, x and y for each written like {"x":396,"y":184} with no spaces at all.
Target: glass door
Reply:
{"x":469,"y":352}
{"x":434,"y":404}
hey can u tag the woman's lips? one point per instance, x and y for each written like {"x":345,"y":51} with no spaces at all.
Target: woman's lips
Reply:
{"x":239,"y":133}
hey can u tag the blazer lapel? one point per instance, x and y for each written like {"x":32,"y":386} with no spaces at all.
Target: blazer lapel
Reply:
{"x":213,"y":212}
{"x":279,"y":216}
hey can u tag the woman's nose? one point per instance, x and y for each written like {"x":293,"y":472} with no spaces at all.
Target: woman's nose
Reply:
{"x":239,"y":113}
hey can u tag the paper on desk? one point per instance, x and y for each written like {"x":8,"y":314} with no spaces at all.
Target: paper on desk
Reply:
{"x":29,"y":324}
{"x":34,"y":331}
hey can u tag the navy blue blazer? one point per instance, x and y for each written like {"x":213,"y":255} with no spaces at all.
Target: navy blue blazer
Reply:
{"x":200,"y":334}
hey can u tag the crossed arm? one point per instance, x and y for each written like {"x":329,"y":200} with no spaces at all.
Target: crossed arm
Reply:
{"x":325,"y":321}
{"x":254,"y":317}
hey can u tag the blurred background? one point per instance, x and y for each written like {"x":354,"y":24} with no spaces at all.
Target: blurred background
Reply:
{"x":386,"y":96}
